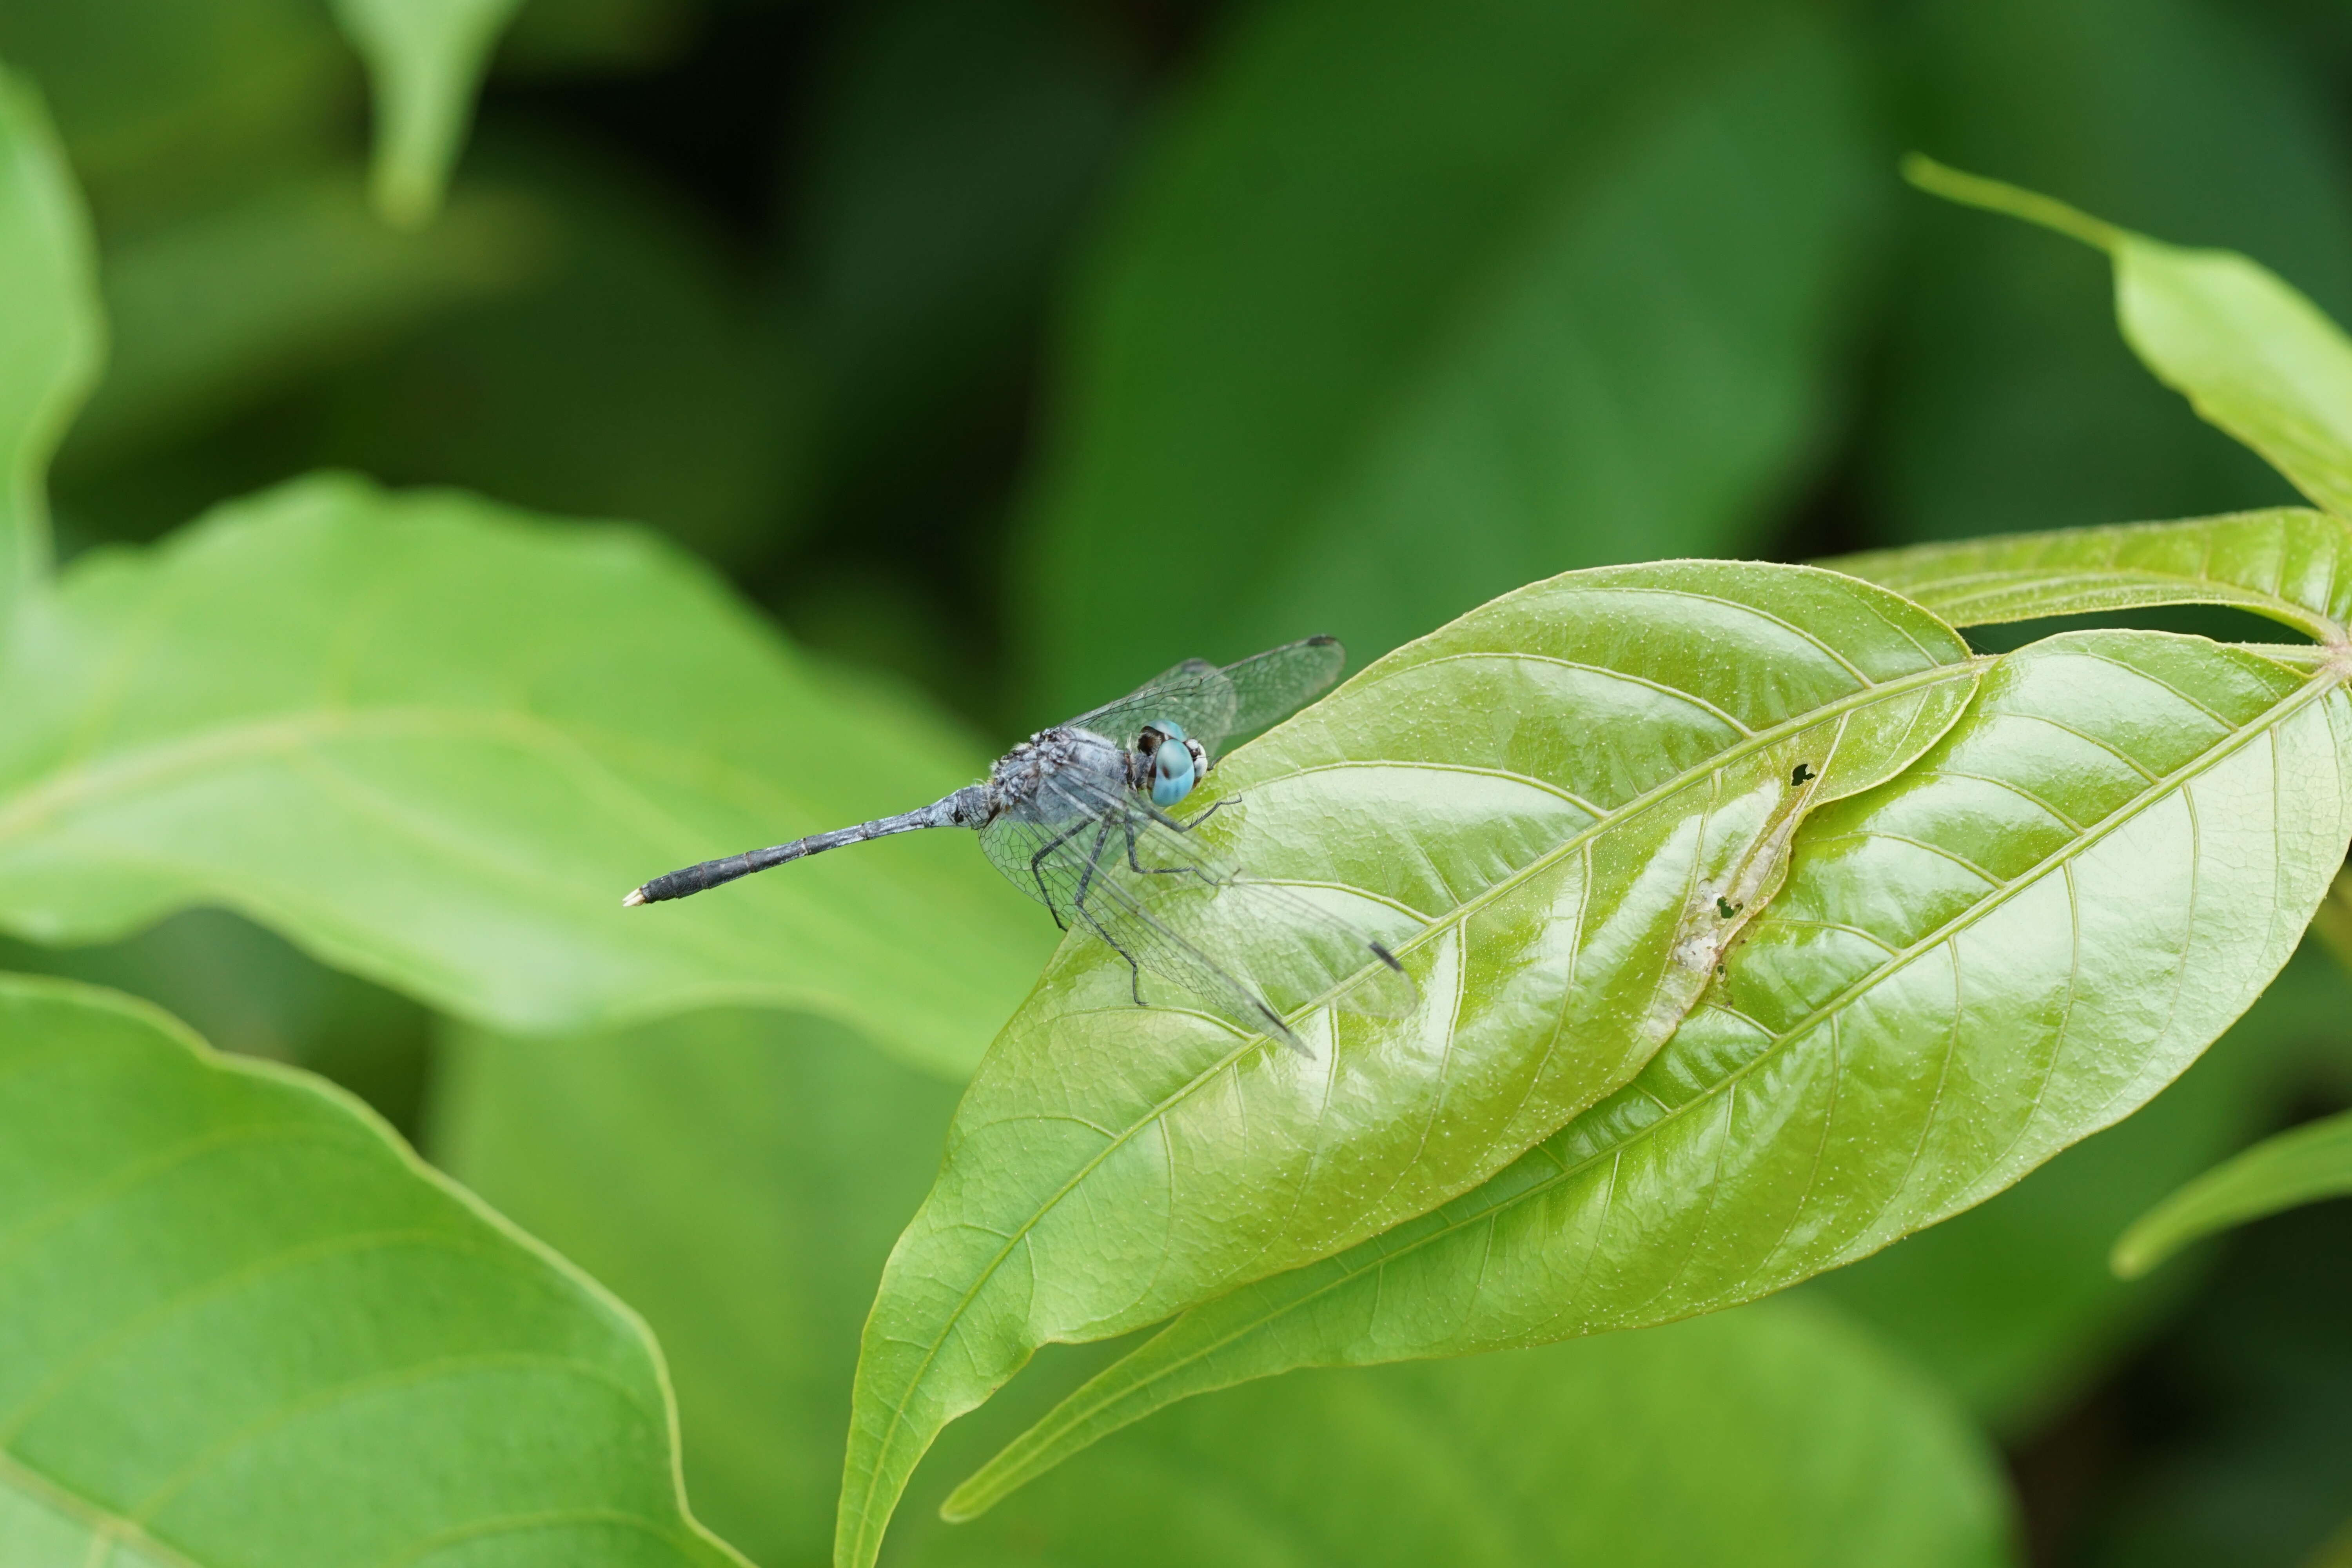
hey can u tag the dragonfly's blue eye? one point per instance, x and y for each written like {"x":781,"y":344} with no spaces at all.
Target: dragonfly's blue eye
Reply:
{"x":1171,"y":769}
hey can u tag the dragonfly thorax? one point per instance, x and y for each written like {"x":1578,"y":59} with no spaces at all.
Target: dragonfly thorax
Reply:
{"x":1056,"y":774}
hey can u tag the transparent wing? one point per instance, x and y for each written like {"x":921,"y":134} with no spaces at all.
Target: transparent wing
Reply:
{"x":1136,"y":879}
{"x":1218,"y":705}
{"x":1270,"y":687}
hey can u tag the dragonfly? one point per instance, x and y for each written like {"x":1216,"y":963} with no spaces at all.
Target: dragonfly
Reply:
{"x":1081,"y":817}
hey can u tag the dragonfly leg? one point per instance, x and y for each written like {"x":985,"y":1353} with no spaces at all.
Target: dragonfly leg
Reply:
{"x":1078,"y":906}
{"x":1150,"y":870}
{"x":1044,"y":895}
{"x":1192,"y":822}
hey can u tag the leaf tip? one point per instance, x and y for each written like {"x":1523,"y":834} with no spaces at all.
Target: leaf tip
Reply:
{"x":2138,"y":1251}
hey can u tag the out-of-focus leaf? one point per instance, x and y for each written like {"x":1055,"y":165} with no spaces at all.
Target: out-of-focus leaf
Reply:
{"x":167,"y":107}
{"x":2300,"y":1166}
{"x":1559,"y":810}
{"x":580,"y":37}
{"x":2011,"y":1305}
{"x":51,"y":331}
{"x":2012,"y":946}
{"x":631,"y":380}
{"x":956,"y":145}
{"x":425,"y":60}
{"x":2255,"y":1477}
{"x":249,"y":991}
{"x":736,"y":1176}
{"x":1772,"y":1436}
{"x":2252,"y":356}
{"x":246,"y":1326}
{"x":2292,"y":565}
{"x":212,"y":313}
{"x":2007,"y":403}
{"x":1416,"y":304}
{"x":434,"y":742}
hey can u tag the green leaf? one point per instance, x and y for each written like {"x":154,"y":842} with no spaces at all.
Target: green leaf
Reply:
{"x":738,"y":1177}
{"x":220,"y":310}
{"x":1418,"y":304}
{"x":246,"y":1325}
{"x":2002,"y":398}
{"x":2290,"y":565}
{"x":1560,"y":809}
{"x":425,"y":58}
{"x":2013,"y":944}
{"x":2011,"y":1305}
{"x":433,"y":741}
{"x":51,"y":333}
{"x":249,"y":991}
{"x":2297,"y":1167}
{"x":2252,"y":356}
{"x":1776,"y":1434}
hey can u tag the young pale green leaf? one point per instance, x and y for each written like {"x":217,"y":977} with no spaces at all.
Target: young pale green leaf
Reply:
{"x":2013,"y":944}
{"x":245,"y":1326}
{"x":51,"y":331}
{"x":1559,"y":810}
{"x":1999,"y":397}
{"x":2292,"y":565}
{"x":2252,"y":355}
{"x":2297,"y":1167}
{"x":1557,"y":284}
{"x":1773,"y":1436}
{"x":433,"y":741}
{"x":738,"y":1177}
{"x":426,"y":59}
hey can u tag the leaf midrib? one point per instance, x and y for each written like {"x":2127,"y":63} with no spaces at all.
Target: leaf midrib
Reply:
{"x":1748,"y":745}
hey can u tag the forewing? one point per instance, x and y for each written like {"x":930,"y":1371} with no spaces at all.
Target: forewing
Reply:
{"x":1195,"y":694}
{"x":1270,"y":687}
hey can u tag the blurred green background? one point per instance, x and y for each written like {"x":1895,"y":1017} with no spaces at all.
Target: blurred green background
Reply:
{"x":1014,"y":348}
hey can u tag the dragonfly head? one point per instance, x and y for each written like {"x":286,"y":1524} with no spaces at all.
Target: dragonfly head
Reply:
{"x":1175,"y":763}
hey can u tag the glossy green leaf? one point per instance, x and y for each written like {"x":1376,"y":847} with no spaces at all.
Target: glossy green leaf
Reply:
{"x":2011,"y":1305}
{"x":51,"y":331}
{"x":1415,"y":305}
{"x":2297,"y":1167}
{"x":2290,"y":565}
{"x":1559,"y":810}
{"x":1772,"y":1436}
{"x":245,"y":1326}
{"x":433,"y":741}
{"x":736,"y":1176}
{"x":2002,"y":398}
{"x":215,"y":312}
{"x":425,"y":58}
{"x":2013,"y":944}
{"x":2251,"y":354}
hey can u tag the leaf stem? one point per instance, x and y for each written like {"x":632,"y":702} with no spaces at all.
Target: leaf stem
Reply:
{"x":2000,"y":197}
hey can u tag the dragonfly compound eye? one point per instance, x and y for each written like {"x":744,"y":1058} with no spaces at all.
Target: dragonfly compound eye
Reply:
{"x":1172,"y":773}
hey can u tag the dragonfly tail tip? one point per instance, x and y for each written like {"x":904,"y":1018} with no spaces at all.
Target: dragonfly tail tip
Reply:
{"x":634,"y":897}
